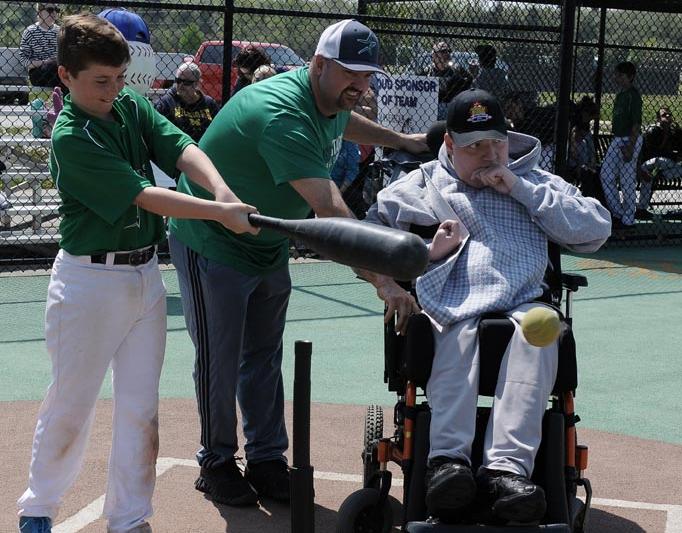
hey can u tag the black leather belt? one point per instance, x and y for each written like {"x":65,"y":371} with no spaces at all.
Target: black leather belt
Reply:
{"x":138,"y":257}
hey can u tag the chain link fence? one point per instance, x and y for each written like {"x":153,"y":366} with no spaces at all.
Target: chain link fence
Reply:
{"x":625,"y":145}
{"x":431,"y":49}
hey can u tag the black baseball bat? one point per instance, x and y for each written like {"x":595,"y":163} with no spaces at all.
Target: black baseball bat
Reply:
{"x":379,"y":249}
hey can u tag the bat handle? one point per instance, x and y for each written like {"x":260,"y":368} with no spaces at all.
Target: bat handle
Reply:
{"x":261,"y":221}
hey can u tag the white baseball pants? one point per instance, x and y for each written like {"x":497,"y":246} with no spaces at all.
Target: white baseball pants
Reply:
{"x":96,"y":316}
{"x":525,"y":381}
{"x":613,"y":168}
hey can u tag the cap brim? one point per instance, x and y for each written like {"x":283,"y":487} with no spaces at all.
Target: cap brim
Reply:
{"x":361,"y":67}
{"x":465,"y":139}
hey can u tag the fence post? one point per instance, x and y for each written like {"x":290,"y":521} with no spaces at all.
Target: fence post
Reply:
{"x":599,"y":75}
{"x":228,"y":21}
{"x":362,"y":9}
{"x":565,"y":85}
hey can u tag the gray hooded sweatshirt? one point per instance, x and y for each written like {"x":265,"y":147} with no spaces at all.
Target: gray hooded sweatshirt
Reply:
{"x":502,"y":263}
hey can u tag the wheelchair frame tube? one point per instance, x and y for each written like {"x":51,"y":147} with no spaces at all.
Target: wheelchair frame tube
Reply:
{"x":569,"y":411}
{"x":408,"y":431}
{"x":301,"y":475}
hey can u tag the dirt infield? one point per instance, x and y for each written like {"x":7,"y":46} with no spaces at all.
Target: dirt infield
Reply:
{"x":636,"y":482}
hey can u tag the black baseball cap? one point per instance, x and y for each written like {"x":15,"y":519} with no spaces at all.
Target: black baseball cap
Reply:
{"x":474,"y":115}
{"x":351,"y":44}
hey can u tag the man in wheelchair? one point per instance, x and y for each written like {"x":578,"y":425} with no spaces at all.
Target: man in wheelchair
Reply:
{"x":496,"y":212}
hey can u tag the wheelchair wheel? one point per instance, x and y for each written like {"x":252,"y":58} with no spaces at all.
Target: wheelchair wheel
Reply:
{"x":361,"y":512}
{"x":374,"y":430}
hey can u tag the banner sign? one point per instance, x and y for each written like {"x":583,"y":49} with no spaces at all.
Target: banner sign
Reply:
{"x":408,"y":104}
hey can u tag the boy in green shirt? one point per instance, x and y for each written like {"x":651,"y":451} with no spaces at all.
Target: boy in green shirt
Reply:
{"x":620,"y":161}
{"x":106,"y":300}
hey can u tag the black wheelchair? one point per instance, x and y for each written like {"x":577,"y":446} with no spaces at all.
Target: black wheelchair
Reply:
{"x":560,"y":461}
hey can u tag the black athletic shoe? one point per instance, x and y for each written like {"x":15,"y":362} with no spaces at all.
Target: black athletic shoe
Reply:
{"x":269,"y":478}
{"x":450,"y":486}
{"x":226,"y":485}
{"x":513,"y":497}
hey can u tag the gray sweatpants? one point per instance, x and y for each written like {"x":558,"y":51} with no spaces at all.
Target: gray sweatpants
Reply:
{"x":236,"y":322}
{"x":525,"y":381}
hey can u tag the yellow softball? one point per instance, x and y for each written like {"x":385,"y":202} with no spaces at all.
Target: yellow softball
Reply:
{"x":541,"y":326}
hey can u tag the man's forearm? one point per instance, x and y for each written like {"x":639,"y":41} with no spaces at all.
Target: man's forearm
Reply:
{"x":198,"y":167}
{"x":363,"y":131}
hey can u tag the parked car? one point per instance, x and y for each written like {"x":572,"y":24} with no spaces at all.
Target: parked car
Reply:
{"x":13,"y":78}
{"x":209,"y":57}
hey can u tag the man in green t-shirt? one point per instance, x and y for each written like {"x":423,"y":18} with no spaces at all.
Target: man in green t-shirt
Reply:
{"x":620,"y":161}
{"x":275,"y":143}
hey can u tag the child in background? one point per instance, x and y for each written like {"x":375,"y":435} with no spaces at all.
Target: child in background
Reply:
{"x":620,"y":161}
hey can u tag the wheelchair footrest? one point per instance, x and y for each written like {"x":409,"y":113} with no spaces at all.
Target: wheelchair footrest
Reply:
{"x":425,"y":527}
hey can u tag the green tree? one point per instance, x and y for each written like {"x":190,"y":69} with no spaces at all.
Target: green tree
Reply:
{"x":191,"y":38}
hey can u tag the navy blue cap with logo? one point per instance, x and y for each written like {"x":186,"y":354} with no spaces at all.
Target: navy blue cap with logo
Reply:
{"x":351,"y":44}
{"x":474,"y":115}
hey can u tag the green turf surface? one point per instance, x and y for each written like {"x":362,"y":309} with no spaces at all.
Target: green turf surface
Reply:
{"x":625,"y":323}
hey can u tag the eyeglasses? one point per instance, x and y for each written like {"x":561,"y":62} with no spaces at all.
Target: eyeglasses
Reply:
{"x":666,"y":115}
{"x":51,"y":9}
{"x":186,"y":83}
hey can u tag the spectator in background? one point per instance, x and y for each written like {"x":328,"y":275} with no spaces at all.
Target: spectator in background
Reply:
{"x":661,"y":153}
{"x":620,"y":161}
{"x":473,"y":68}
{"x":247,"y":61}
{"x":347,"y":165}
{"x":351,"y":172}
{"x":451,"y":80}
{"x":582,"y":155}
{"x":38,"y":47}
{"x":514,"y":111}
{"x":185,"y":105}
{"x":523,"y":115}
{"x":582,"y":159}
{"x":491,"y":78}
{"x":585,"y":111}
{"x":262,"y":73}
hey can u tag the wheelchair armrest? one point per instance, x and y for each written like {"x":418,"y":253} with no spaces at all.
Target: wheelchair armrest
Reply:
{"x":573,"y":281}
{"x":408,"y":357}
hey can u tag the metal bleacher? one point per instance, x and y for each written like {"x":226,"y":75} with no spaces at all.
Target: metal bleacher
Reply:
{"x":32,"y":216}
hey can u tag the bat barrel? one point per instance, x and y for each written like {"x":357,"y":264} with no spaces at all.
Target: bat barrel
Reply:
{"x":392,"y":252}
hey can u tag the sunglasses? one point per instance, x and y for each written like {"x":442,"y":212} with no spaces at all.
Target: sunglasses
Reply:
{"x":666,"y":115}
{"x":51,"y":9}
{"x":186,"y":83}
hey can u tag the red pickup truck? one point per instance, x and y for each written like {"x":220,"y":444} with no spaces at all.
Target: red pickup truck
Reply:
{"x":209,"y":57}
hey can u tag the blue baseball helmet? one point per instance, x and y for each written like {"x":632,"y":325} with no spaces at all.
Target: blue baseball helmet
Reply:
{"x":128,"y":23}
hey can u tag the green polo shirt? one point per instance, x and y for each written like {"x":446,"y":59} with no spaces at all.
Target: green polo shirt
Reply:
{"x":266,"y":136}
{"x":100,"y":166}
{"x":627,"y":111}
